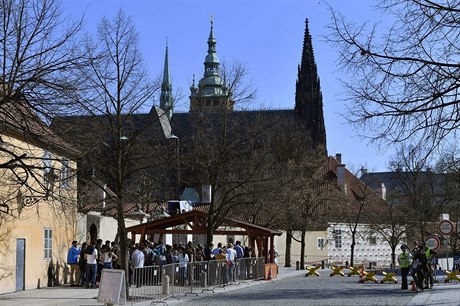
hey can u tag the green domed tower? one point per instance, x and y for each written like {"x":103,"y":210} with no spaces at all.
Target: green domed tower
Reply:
{"x":211,"y":95}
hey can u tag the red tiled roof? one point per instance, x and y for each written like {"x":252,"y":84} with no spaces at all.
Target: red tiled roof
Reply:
{"x":353,"y":193}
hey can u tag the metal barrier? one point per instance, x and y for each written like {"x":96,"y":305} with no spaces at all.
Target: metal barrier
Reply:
{"x":249,"y":269}
{"x":157,"y":283}
{"x":260,"y":269}
{"x":146,"y":285}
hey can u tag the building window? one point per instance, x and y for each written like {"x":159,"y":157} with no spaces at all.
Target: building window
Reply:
{"x":320,"y":243}
{"x":372,"y":240}
{"x":48,"y":244}
{"x":65,"y":174}
{"x":337,"y":238}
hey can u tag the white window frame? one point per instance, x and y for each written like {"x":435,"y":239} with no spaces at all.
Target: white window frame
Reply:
{"x":337,"y":238}
{"x":47,"y":243}
{"x":320,"y":242}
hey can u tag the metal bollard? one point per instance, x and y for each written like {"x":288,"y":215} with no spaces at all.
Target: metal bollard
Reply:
{"x":203,"y":279}
{"x":297,"y":265}
{"x":165,"y":285}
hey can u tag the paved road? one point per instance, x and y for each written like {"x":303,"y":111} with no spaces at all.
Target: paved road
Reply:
{"x":291,"y":288}
{"x":301,"y":290}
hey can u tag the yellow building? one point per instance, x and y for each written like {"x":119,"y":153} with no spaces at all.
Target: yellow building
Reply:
{"x":38,"y":200}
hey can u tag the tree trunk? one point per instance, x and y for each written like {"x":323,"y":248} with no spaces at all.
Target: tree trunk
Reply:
{"x":210,"y":230}
{"x":287,"y":258}
{"x":124,"y":251}
{"x":302,"y":249}
{"x":353,"y":243}
{"x":393,"y":256}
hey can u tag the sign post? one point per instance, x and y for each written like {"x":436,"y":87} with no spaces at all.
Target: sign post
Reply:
{"x":446,"y":227}
{"x":433,"y":242}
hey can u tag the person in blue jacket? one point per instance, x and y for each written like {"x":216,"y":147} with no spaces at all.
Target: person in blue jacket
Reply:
{"x":72,"y":260}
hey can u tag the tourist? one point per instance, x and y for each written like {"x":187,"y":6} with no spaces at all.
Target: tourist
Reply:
{"x":72,"y":260}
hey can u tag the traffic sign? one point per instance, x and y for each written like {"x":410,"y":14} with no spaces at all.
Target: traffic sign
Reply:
{"x":432,"y":242}
{"x":446,"y":227}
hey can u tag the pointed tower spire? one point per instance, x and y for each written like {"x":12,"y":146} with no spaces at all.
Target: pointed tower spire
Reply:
{"x":308,"y":96}
{"x":211,"y":94}
{"x":211,"y":62}
{"x":166,"y":88}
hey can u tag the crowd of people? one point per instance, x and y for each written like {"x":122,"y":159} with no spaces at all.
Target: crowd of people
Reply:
{"x":149,"y":253}
{"x":87,"y":262}
{"x":420,"y":263}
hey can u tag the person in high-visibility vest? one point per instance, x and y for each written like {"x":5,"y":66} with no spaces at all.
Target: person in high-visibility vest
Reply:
{"x":429,"y":253}
{"x":404,"y":260}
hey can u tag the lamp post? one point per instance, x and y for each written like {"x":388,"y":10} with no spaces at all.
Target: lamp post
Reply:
{"x":50,"y":178}
{"x":177,"y":155}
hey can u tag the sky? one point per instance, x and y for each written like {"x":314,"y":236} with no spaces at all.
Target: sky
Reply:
{"x":264,"y":35}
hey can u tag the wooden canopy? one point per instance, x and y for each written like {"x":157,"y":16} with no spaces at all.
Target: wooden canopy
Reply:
{"x":196,"y":222}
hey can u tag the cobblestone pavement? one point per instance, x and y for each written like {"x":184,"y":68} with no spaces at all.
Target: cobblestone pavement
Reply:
{"x":324,"y":290}
{"x":291,"y":288}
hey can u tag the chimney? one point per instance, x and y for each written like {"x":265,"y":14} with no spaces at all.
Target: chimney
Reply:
{"x":383,"y":191}
{"x":102,"y":195}
{"x":206,"y":194}
{"x":338,"y":157}
{"x":363,"y":170}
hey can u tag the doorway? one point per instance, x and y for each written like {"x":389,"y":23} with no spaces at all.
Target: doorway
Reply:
{"x":20,"y":264}
{"x":93,"y":233}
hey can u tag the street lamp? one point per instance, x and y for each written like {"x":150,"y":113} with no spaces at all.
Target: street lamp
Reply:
{"x":27,"y":201}
{"x":177,"y":153}
{"x":138,"y":214}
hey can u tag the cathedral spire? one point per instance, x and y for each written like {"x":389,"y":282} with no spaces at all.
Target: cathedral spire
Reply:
{"x":308,"y":96}
{"x":211,"y":62}
{"x":211,"y":94}
{"x":166,"y":88}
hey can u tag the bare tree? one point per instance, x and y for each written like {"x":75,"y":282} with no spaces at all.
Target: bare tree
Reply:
{"x":307,"y":205}
{"x":449,"y":165}
{"x":235,"y":75}
{"x":294,"y":181}
{"x":418,"y":189}
{"x":39,"y":55}
{"x":392,"y":225}
{"x":402,"y":82}
{"x":114,"y":87}
{"x":353,"y":203}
